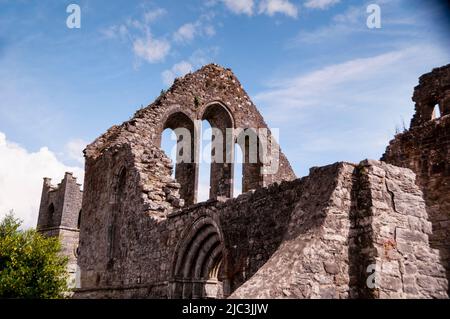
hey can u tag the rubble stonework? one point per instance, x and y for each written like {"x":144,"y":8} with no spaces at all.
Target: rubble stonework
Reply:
{"x":425,"y":149}
{"x":350,"y":218}
{"x":432,"y":92}
{"x":345,"y":231}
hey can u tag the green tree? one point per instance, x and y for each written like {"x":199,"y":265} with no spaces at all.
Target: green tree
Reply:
{"x":30,"y":264}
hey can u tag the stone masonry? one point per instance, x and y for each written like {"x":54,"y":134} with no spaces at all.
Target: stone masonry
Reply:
{"x":425,"y":149}
{"x":59,"y":216}
{"x":345,"y":231}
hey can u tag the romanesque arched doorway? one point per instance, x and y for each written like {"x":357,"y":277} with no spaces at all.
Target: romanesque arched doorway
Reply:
{"x":199,"y":263}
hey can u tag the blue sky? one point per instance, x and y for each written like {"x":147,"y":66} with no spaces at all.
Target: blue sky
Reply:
{"x":336,"y":89}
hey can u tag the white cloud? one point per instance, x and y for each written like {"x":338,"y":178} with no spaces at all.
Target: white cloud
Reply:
{"x":320,"y":4}
{"x":115,"y":32}
{"x":150,"y":49}
{"x":271,"y":7}
{"x":352,"y":15}
{"x":138,"y":31}
{"x":188,"y":31}
{"x":240,"y":6}
{"x":21,"y":178}
{"x":74,"y":150}
{"x":177,"y":70}
{"x":352,"y":20}
{"x":210,"y":30}
{"x":185,"y":33}
{"x":152,"y":15}
{"x":199,"y":58}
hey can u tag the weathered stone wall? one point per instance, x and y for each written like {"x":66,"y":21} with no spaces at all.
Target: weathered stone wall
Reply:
{"x":350,"y":218}
{"x":425,"y":149}
{"x":312,"y":261}
{"x":251,"y":229}
{"x":309,"y":238}
{"x":432,"y":92}
{"x":393,"y":223}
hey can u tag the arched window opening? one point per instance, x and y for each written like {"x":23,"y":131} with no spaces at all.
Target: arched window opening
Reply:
{"x":436,"y":112}
{"x":51,"y":215}
{"x":121,"y":183}
{"x":238,"y":171}
{"x":79,"y":220}
{"x":169,"y":146}
{"x":222,"y":125}
{"x":250,"y":146}
{"x":204,"y":178}
{"x":182,"y":154}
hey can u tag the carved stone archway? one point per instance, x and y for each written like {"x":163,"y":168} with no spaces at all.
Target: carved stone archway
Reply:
{"x":199,"y":263}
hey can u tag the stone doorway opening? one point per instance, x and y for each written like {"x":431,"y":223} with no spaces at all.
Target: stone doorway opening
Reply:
{"x":199,"y":264}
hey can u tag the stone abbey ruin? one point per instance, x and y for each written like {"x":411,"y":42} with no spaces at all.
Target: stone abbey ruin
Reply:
{"x":377,"y":229}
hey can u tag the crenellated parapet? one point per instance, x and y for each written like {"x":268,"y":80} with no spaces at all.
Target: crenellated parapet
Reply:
{"x":60,"y":216}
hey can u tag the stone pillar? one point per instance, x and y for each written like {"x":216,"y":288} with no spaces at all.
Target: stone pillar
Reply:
{"x":222,"y":154}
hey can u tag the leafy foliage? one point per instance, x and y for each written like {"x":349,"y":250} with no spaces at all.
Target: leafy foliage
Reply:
{"x":30,"y":264}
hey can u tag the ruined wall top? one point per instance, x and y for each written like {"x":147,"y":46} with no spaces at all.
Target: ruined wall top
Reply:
{"x":60,"y":204}
{"x":212,"y":93}
{"x":189,"y":94}
{"x":433,"y":90}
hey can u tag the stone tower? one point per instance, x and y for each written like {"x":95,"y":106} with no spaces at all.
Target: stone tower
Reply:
{"x":59,"y":216}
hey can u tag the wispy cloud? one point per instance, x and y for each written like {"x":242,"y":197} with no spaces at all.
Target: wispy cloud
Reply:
{"x":151,"y":49}
{"x":308,"y":89}
{"x":348,"y":110}
{"x":272,"y":7}
{"x":153,"y":15}
{"x":253,"y":7}
{"x":73,"y":150}
{"x":320,"y":4}
{"x":198,"y":58}
{"x":353,"y":21}
{"x":188,"y":31}
{"x":185,"y":33}
{"x":177,"y":70}
{"x":240,"y":6}
{"x":154,"y":49}
{"x":145,"y":44}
